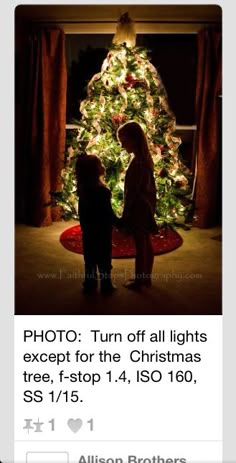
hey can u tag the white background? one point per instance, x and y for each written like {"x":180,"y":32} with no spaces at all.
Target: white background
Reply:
{"x":187,"y":412}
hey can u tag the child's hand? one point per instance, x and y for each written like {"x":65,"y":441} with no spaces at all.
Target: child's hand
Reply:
{"x":122,"y":226}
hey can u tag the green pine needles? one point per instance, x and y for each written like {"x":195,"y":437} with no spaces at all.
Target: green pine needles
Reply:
{"x":128,"y":87}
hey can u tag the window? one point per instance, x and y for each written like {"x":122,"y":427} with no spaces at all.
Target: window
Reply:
{"x":173,"y":55}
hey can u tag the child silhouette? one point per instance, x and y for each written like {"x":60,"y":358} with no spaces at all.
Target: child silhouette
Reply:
{"x":139,"y":201}
{"x":96,"y":220}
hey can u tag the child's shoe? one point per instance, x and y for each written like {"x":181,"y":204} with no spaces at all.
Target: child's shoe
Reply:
{"x":89,"y":286}
{"x":135,"y":285}
{"x":107,"y":287}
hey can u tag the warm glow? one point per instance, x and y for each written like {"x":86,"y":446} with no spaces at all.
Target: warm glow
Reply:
{"x":129,"y":87}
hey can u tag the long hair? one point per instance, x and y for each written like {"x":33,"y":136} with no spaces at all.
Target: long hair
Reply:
{"x":134,"y":131}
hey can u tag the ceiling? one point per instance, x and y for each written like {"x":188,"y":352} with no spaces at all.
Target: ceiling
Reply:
{"x":113,"y":12}
{"x":101,"y":18}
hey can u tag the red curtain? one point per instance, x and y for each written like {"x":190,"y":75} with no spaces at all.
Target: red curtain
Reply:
{"x":46,"y":123}
{"x":208,"y":90}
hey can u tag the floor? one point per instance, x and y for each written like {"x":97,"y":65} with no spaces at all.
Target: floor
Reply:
{"x":186,"y":281}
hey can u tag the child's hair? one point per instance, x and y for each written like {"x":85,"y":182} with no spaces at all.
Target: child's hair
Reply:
{"x":89,"y":170}
{"x":134,"y":131}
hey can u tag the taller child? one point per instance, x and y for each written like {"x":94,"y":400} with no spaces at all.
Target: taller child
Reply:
{"x":139,"y":200}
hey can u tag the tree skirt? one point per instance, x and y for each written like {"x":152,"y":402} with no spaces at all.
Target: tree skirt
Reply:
{"x":122,"y":244}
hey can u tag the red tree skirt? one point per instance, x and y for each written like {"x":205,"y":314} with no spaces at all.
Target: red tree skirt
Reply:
{"x":122,"y":244}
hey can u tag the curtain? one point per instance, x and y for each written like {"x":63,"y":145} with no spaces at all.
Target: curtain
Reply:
{"x":208,"y":90}
{"x":45,"y":123}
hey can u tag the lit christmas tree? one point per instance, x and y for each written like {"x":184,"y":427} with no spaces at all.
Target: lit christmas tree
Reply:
{"x":128,"y":88}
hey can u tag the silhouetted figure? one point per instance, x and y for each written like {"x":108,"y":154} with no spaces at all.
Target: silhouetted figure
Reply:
{"x":96,"y":220}
{"x":139,"y":201}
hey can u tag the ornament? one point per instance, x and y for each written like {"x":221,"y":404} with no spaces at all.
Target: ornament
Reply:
{"x":129,"y":78}
{"x":133,"y":82}
{"x":118,"y":119}
{"x":125,"y":31}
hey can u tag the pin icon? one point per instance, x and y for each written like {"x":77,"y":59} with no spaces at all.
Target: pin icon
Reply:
{"x":74,"y":425}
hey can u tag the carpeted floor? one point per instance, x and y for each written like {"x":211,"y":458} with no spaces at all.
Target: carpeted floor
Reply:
{"x":186,"y":281}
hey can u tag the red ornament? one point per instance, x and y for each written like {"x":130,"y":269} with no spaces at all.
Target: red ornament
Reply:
{"x":118,"y":118}
{"x":129,"y":78}
{"x":132,"y":82}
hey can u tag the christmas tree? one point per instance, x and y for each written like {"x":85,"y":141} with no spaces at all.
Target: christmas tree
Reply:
{"x":128,"y":88}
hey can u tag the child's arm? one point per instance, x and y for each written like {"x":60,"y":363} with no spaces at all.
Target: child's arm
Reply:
{"x":108,"y":212}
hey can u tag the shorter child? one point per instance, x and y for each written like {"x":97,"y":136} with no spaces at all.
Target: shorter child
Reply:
{"x":96,"y":220}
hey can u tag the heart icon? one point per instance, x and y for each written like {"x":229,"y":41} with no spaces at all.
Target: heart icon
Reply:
{"x":75,"y":425}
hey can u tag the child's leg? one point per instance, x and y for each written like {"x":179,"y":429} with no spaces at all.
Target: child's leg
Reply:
{"x":143,"y":260}
{"x":149,"y":259}
{"x":90,"y":278}
{"x":104,"y":262}
{"x":140,"y":260}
